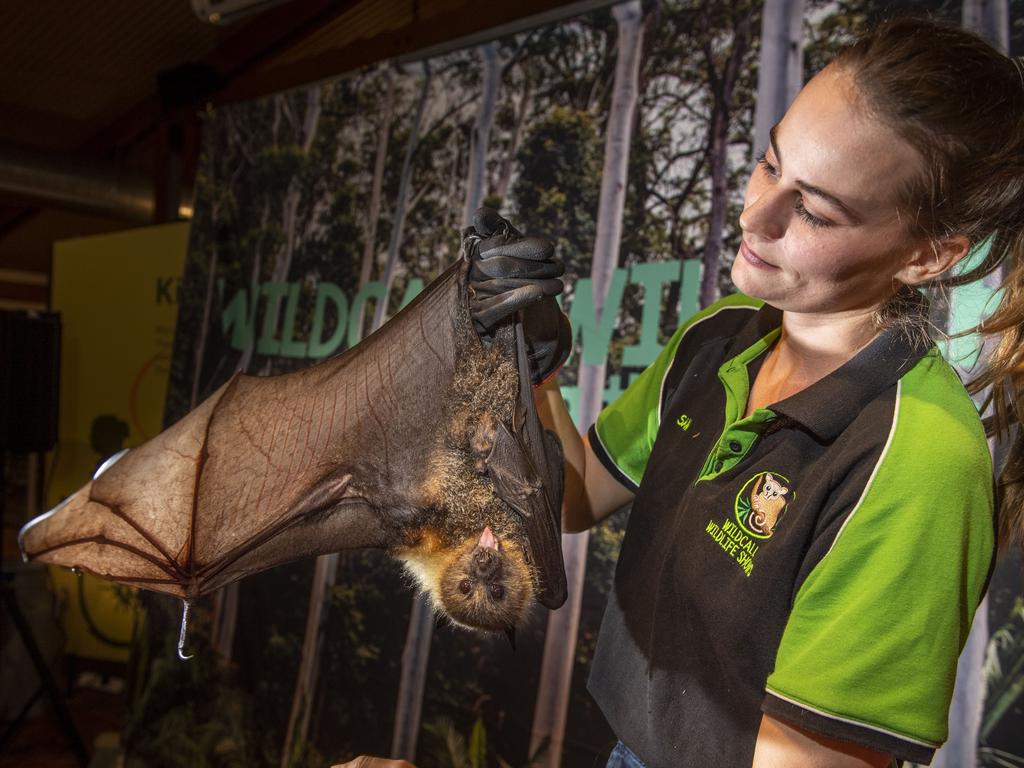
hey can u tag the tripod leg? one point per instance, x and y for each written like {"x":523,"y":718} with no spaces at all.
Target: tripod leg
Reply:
{"x":60,"y":706}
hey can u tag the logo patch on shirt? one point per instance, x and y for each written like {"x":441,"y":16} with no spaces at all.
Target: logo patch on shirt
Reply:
{"x":761,"y":503}
{"x":759,"y":506}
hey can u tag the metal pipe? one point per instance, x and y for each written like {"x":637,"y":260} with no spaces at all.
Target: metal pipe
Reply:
{"x":76,"y":183}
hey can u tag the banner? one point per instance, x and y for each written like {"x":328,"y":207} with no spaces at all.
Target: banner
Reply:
{"x":322,"y":211}
{"x":118,"y":300}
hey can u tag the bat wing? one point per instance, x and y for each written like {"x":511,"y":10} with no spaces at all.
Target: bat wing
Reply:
{"x":526,"y":466}
{"x":269,"y":469}
{"x":272,"y":469}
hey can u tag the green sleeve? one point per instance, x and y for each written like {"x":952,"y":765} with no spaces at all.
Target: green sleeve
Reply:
{"x":878,"y":625}
{"x":625,"y":430}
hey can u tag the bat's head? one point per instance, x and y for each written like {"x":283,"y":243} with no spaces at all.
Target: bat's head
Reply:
{"x":487,"y":584}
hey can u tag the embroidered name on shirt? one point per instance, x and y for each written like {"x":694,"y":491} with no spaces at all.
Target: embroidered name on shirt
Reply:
{"x":684,"y":421}
{"x":758,"y":508}
{"x":734,"y":543}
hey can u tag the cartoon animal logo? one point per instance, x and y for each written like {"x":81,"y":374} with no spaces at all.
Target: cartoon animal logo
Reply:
{"x":761,"y":503}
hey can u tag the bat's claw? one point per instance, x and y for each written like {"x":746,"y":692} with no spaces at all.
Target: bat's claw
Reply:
{"x":184,"y":629}
{"x":510,"y":633}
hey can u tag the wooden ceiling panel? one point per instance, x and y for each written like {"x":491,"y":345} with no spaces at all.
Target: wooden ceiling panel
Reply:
{"x":91,"y":62}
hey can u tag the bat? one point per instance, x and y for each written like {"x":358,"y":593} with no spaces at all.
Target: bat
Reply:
{"x":422,"y":440}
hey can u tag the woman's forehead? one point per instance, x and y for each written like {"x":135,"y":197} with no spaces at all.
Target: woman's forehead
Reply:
{"x":829,"y":139}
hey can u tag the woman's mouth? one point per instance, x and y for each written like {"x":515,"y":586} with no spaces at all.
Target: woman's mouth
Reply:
{"x":753,"y":259}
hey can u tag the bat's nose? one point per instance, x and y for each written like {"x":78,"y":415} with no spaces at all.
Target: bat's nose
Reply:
{"x":486,"y":563}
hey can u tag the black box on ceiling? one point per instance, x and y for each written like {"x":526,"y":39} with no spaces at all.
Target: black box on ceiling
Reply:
{"x":29,"y":380}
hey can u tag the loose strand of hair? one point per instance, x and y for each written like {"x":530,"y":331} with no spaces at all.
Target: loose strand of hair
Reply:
{"x":1002,"y":379}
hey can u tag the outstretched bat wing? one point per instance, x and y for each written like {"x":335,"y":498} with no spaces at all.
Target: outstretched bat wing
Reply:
{"x":272,"y":469}
{"x":269,"y":469}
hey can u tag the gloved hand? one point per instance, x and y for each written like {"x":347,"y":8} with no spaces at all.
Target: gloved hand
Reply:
{"x":510,"y":272}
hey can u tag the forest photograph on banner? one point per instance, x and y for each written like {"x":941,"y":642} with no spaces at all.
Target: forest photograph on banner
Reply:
{"x":625,"y":135}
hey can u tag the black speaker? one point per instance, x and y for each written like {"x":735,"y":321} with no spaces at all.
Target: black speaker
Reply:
{"x":29,"y":380}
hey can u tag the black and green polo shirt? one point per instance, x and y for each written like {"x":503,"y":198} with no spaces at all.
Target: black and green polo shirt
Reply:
{"x":820,"y":561}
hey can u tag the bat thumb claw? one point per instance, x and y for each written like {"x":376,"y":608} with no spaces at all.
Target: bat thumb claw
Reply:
{"x":184,"y":630}
{"x":510,"y":633}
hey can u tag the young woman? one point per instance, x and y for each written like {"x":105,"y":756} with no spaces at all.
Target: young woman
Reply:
{"x":813,"y":515}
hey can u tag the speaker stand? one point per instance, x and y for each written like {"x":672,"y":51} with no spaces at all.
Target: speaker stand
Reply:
{"x":47,"y":683}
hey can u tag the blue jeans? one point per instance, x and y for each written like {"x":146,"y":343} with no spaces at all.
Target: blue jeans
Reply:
{"x":623,"y":757}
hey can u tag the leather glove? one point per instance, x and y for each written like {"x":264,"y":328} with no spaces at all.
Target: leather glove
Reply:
{"x":509,"y":273}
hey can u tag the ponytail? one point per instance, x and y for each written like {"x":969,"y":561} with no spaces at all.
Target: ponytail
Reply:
{"x":960,"y":104}
{"x":1002,"y":379}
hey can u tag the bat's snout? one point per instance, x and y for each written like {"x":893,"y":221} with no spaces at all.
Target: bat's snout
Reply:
{"x":486,"y":563}
{"x":488,"y":540}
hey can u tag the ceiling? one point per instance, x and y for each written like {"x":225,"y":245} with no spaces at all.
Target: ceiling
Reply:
{"x":79,"y":84}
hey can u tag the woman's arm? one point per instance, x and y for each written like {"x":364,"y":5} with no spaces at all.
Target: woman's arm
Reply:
{"x":591,"y":492}
{"x":780,"y":745}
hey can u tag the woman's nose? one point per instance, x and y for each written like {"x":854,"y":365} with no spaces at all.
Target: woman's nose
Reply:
{"x":766,"y":215}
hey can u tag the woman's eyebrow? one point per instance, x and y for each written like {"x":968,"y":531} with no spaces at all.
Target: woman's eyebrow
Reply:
{"x":810,"y":189}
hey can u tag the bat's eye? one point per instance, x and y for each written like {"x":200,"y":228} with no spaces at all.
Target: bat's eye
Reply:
{"x":497,"y":591}
{"x":465,"y":587}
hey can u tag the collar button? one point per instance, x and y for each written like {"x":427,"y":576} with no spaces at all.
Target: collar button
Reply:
{"x":735,"y":446}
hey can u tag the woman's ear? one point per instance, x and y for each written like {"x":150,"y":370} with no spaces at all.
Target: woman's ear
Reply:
{"x":933,"y":258}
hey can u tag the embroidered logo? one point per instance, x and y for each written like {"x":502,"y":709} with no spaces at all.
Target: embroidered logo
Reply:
{"x":761,"y":503}
{"x":759,"y":506}
{"x":684,"y":421}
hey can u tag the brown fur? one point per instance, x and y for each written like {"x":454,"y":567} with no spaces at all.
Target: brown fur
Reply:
{"x":484,"y":393}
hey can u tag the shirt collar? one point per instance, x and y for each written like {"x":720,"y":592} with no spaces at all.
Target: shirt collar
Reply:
{"x":828,"y":406}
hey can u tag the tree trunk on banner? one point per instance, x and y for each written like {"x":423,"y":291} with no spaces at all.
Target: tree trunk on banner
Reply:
{"x":990,"y":19}
{"x":325,"y":572}
{"x":481,"y":136}
{"x":780,"y":73}
{"x":225,"y":601}
{"x":398,"y":223}
{"x":722,"y":86}
{"x":560,"y":640}
{"x":370,"y":238}
{"x":292,"y":198}
{"x":505,"y":178}
{"x":225,"y":607}
{"x":204,"y":325}
{"x":416,"y":654}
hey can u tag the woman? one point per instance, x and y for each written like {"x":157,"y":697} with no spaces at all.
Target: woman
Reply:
{"x":812,"y":522}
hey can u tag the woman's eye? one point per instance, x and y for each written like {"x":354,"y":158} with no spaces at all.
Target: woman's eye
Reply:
{"x":767,"y":167}
{"x":809,"y":217}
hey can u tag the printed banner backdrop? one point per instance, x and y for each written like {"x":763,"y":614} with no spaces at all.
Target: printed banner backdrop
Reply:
{"x":118,"y":299}
{"x":323,"y":210}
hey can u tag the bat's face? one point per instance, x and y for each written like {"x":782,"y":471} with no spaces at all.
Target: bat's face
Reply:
{"x":487,"y":585}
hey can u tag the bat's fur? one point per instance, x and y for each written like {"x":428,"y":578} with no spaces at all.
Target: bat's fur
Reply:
{"x":440,"y":554}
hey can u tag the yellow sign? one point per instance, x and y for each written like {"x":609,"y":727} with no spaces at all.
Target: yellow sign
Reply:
{"x":117,"y":296}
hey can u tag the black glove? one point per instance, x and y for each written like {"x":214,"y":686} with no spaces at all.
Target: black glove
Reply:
{"x":510,"y":272}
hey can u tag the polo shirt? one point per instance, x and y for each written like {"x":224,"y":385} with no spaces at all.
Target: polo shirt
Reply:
{"x":820,"y":560}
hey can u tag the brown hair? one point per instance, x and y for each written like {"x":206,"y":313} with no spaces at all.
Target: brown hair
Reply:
{"x":960,"y":104}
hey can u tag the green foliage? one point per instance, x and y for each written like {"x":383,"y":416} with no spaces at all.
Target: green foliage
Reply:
{"x":559,"y":181}
{"x":1004,"y":672}
{"x":190,"y":713}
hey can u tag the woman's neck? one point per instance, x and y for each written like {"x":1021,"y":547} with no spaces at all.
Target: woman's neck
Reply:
{"x":809,"y":348}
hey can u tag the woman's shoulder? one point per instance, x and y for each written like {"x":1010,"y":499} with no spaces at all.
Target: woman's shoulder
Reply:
{"x":724,"y":316}
{"x":938,"y":415}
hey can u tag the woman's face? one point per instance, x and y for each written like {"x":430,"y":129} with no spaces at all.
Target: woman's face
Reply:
{"x":821,"y":232}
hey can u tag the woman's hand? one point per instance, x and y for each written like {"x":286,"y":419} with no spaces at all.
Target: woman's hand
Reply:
{"x":365,"y":761}
{"x":509,"y":273}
